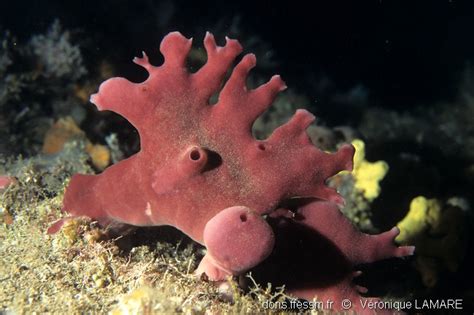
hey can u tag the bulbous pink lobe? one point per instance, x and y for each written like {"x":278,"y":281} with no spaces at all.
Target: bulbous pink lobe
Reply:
{"x":238,"y":239}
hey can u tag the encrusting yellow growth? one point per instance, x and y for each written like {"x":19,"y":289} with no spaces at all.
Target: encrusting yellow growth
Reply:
{"x":100,"y":155}
{"x":66,"y":129}
{"x":367,"y":175}
{"x":423,"y":214}
{"x":138,"y":301}
{"x":438,"y":232}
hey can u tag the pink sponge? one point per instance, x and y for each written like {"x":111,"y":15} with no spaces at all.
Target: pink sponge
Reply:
{"x":197,"y":159}
{"x":6,"y":181}
{"x":201,"y":170}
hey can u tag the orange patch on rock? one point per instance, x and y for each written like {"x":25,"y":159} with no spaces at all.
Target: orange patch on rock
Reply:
{"x":66,"y":129}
